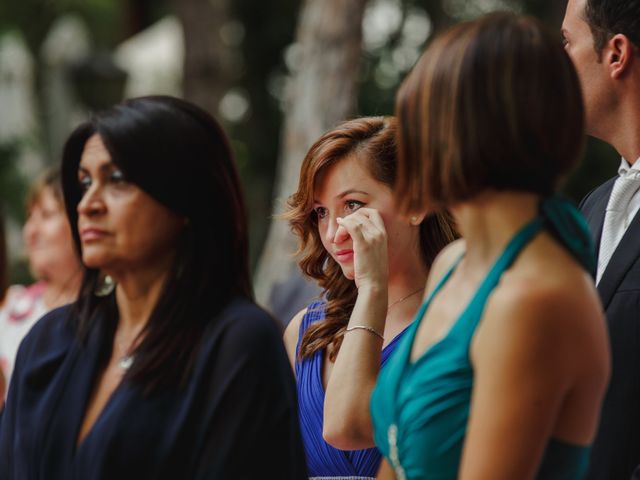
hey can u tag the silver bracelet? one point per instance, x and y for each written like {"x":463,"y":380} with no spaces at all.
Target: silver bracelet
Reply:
{"x":368,"y":329}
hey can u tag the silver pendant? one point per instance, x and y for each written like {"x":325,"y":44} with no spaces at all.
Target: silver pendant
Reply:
{"x":125,"y":362}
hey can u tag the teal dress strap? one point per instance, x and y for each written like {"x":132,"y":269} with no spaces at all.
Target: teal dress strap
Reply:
{"x":438,"y":286}
{"x":570,"y":228}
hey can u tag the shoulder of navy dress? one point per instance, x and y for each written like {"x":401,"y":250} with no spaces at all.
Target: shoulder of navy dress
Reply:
{"x":244,"y":319}
{"x":243,"y":349}
{"x":51,"y":335}
{"x":244,"y":333}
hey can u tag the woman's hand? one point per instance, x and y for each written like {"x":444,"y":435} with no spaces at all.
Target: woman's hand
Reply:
{"x":370,"y":260}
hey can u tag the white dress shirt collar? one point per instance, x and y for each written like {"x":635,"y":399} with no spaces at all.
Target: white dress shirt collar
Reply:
{"x":624,"y":169}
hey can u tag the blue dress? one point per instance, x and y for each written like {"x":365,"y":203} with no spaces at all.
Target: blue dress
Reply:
{"x":420,"y":410}
{"x":323,"y":460}
{"x":235,"y":418}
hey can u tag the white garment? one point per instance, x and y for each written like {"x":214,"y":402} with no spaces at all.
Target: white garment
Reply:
{"x":624,"y":203}
{"x":22,"y":307}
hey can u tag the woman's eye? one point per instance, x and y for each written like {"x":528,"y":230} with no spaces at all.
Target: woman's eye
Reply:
{"x":85,"y":183}
{"x":352,"y":205}
{"x":321,"y":212}
{"x":117,"y":177}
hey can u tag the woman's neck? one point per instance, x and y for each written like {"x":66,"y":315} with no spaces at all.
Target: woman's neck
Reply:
{"x":137,"y":294}
{"x":406,"y":286}
{"x":489,"y":221}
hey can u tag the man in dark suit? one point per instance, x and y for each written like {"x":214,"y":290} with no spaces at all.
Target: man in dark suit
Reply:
{"x":602,"y":37}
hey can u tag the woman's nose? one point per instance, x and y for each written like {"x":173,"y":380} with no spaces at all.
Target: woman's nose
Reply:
{"x":91,"y":203}
{"x":336,"y":232}
{"x":332,"y":227}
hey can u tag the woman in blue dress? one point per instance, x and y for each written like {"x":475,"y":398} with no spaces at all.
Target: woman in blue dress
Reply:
{"x":502,"y":374}
{"x":372,"y":264}
{"x":164,"y":368}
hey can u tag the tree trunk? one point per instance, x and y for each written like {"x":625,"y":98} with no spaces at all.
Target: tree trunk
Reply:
{"x":206,"y":72}
{"x":322,"y":92}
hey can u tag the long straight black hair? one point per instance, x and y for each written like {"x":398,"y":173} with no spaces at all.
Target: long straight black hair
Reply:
{"x":179,"y":155}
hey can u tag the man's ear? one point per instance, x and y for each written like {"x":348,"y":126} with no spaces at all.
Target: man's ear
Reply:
{"x":619,"y":55}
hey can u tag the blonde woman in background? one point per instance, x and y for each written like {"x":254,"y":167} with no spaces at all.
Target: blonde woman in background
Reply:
{"x":53,"y":262}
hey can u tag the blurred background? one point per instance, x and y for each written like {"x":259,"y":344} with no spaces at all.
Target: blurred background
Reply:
{"x":276,"y":73}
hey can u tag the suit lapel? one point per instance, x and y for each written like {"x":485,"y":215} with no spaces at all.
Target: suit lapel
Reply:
{"x":627,"y":251}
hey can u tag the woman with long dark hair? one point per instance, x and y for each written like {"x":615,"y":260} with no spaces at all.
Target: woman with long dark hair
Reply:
{"x":372,"y":263}
{"x":502,"y":374}
{"x":164,"y":367}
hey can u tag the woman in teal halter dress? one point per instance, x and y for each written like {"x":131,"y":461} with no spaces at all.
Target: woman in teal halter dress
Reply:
{"x":502,"y":373}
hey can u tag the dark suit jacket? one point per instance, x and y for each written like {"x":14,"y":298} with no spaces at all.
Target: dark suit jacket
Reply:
{"x":616,"y":451}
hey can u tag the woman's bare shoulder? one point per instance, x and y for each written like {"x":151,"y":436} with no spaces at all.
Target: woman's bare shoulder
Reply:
{"x":557,"y":316}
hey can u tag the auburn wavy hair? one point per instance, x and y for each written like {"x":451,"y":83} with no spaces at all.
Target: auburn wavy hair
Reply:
{"x":372,"y":139}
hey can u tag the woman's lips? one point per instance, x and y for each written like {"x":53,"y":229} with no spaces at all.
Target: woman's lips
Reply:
{"x":344,"y":255}
{"x":92,"y":234}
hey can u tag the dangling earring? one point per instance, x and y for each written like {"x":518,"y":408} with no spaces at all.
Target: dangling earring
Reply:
{"x":105,"y":287}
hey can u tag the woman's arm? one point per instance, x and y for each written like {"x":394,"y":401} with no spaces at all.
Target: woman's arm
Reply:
{"x":385,"y":472}
{"x":347,"y":422}
{"x":526,"y":355}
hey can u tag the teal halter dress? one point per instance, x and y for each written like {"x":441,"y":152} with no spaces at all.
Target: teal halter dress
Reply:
{"x":420,"y":410}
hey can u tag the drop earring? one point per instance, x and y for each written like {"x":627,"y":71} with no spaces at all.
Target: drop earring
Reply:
{"x":105,"y":287}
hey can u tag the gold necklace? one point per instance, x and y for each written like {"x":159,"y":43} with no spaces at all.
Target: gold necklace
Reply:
{"x":404,"y":298}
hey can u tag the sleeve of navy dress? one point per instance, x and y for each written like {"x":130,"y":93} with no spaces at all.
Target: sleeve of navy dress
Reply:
{"x":236,"y":418}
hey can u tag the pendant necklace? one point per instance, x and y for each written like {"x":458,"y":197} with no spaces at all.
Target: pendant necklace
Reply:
{"x":126,"y":359}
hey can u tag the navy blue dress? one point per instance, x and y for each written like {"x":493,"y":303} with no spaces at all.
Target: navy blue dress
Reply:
{"x":323,"y":460}
{"x":235,"y":419}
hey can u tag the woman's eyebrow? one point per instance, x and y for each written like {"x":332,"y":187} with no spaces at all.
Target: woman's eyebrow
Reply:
{"x":350,"y":191}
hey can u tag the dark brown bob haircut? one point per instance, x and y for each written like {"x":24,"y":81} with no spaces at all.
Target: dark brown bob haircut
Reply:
{"x":373,"y":141}
{"x":493,"y":103}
